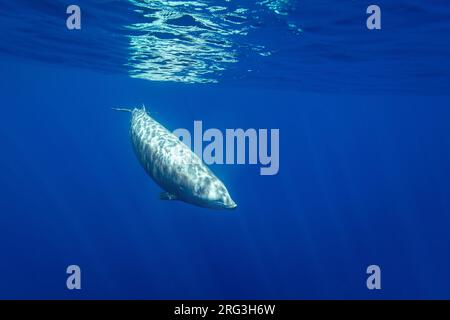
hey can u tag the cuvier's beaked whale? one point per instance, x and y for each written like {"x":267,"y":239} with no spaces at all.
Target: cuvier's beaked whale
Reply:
{"x":173,"y":166}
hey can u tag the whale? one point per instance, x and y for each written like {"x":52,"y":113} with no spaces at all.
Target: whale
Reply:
{"x":173,"y":166}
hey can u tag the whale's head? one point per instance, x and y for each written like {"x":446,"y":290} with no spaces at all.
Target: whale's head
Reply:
{"x":216,"y":196}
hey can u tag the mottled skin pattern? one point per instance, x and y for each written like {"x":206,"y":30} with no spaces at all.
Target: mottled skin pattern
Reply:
{"x":174,"y":167}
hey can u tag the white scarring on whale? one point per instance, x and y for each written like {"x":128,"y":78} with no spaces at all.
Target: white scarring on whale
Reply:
{"x":173,"y":166}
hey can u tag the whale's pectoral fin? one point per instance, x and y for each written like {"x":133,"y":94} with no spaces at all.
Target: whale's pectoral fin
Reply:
{"x":167,"y":196}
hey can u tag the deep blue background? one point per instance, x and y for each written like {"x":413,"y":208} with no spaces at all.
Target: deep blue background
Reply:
{"x":364,"y":179}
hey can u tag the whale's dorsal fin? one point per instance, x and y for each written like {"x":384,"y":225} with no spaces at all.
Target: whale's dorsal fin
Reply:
{"x":167,"y":196}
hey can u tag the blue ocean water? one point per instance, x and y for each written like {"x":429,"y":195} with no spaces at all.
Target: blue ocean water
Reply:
{"x":364,"y":149}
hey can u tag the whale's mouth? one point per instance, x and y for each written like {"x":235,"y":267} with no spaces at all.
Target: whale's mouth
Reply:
{"x":233,"y":205}
{"x":224,"y":205}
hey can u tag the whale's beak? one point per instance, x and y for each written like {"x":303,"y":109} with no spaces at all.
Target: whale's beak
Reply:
{"x":232,"y":205}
